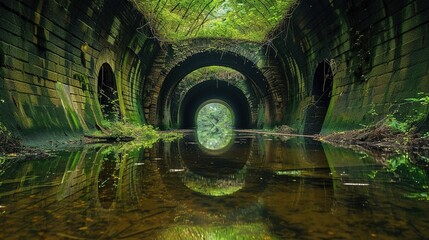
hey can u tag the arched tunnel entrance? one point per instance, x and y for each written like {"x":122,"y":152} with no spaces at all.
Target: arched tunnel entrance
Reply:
{"x":256,"y":81}
{"x":88,"y":86}
{"x":213,"y":91}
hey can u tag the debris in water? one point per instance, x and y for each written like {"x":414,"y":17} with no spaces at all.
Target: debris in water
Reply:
{"x":289,"y":173}
{"x":356,"y":184}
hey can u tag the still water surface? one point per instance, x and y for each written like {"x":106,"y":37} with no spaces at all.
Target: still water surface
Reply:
{"x":250,"y":187}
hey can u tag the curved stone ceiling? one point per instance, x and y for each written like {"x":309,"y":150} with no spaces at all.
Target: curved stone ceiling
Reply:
{"x":250,"y":20}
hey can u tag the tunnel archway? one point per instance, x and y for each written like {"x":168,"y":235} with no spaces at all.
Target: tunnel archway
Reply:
{"x":211,"y":58}
{"x":218,"y":91}
{"x":321,"y":95}
{"x":215,"y":73}
{"x":108,"y":93}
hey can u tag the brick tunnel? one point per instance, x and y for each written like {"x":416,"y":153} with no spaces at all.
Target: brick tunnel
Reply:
{"x":322,"y":68}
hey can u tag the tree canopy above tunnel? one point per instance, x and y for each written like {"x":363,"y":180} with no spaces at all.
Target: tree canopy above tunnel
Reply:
{"x":251,"y":20}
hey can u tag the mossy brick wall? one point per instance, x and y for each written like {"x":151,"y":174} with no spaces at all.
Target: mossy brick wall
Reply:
{"x":378,"y":52}
{"x":48,"y":84}
{"x":157,"y":106}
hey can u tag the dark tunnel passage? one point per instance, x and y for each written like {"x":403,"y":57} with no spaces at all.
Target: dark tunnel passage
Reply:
{"x":52,"y":77}
{"x":214,"y":90}
{"x":256,"y":79}
{"x":214,"y":119}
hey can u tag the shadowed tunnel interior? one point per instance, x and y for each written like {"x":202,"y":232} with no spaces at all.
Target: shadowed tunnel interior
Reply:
{"x":53,"y":57}
{"x":214,"y":90}
{"x":92,"y":84}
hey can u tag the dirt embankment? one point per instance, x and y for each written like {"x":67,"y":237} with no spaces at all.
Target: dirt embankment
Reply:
{"x":381,"y":140}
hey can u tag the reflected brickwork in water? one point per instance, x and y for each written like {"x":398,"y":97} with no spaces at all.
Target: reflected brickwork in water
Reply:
{"x":257,"y":188}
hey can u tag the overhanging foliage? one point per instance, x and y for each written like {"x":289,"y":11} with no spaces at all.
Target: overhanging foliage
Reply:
{"x":251,"y":20}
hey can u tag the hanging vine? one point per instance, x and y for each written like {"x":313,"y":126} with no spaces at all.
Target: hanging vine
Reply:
{"x":175,"y":20}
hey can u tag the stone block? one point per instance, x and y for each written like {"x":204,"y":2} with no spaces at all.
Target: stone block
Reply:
{"x":35,"y":80}
{"x":411,"y":46}
{"x":50,"y":84}
{"x":22,"y":87}
{"x":50,"y":75}
{"x":9,"y":38}
{"x":50,"y":93}
{"x":13,"y":63}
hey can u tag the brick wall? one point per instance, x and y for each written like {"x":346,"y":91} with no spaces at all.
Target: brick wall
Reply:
{"x":377,"y":50}
{"x":48,"y":83}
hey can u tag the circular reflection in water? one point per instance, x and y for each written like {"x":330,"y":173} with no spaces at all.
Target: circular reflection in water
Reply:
{"x":215,"y":138}
{"x":220,"y":186}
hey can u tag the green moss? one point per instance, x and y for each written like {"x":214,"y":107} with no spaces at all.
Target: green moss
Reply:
{"x":215,"y":187}
{"x":214,"y":72}
{"x":184,"y":19}
{"x":232,"y":231}
{"x":143,"y":135}
{"x":72,"y":116}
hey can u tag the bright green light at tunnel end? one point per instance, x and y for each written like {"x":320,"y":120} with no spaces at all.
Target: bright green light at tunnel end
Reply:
{"x":214,"y":121}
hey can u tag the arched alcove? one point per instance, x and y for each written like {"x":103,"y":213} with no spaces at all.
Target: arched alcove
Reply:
{"x":210,"y":91}
{"x":321,"y":97}
{"x":107,"y":93}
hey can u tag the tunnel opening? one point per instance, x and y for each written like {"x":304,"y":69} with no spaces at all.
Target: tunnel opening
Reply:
{"x":247,"y":68}
{"x":214,"y":113}
{"x":214,"y":121}
{"x":214,"y":73}
{"x":321,"y":97}
{"x":214,"y":91}
{"x":108,"y":93}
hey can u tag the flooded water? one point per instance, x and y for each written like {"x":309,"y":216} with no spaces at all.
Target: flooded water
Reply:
{"x":245,"y":186}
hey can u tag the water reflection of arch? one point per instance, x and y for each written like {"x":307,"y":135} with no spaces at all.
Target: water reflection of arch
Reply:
{"x":227,"y":161}
{"x":192,"y":161}
{"x":114,"y":175}
{"x":301,"y":184}
{"x":226,"y":136}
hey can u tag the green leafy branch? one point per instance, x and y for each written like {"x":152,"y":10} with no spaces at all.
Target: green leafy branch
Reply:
{"x":424,"y":100}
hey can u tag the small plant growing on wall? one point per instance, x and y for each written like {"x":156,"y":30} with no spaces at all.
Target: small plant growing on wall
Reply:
{"x":360,"y":55}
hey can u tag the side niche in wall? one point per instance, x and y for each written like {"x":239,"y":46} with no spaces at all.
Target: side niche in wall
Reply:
{"x":108,"y":93}
{"x":321,"y":95}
